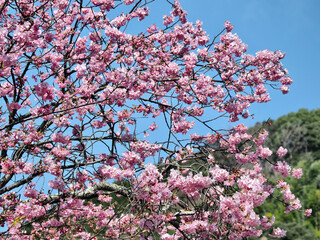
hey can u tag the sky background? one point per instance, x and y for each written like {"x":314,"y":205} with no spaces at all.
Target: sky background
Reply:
{"x":292,"y":26}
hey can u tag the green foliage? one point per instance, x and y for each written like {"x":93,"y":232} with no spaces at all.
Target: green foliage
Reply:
{"x":314,"y":173}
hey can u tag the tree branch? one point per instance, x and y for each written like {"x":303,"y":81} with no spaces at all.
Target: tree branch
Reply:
{"x":89,"y":193}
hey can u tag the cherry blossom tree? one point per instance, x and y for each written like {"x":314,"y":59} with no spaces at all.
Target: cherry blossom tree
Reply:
{"x":107,"y":134}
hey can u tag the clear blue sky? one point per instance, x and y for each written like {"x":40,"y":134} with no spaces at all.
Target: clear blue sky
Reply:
{"x":292,"y":26}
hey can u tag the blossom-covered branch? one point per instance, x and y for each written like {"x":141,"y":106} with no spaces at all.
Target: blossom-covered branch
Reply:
{"x":109,"y":133}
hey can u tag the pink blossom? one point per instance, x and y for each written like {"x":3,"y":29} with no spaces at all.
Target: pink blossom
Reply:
{"x":240,"y":128}
{"x":152,"y":29}
{"x":124,"y":114}
{"x":81,"y":70}
{"x":167,"y":20}
{"x":281,"y":184}
{"x":308,"y":212}
{"x":282,"y":151}
{"x":287,"y":195}
{"x":219,"y":174}
{"x":182,"y":126}
{"x":262,"y":137}
{"x":241,"y":158}
{"x":264,"y":153}
{"x":61,"y":121}
{"x":7,"y":166}
{"x":234,"y":139}
{"x":294,"y":205}
{"x":260,"y":89}
{"x":109,"y":172}
{"x":196,"y":137}
{"x":283,"y":168}
{"x":98,"y":124}
{"x":28,"y":168}
{"x":141,"y":13}
{"x":45,"y":91}
{"x":266,"y":222}
{"x":104,"y":4}
{"x":284,"y":89}
{"x":173,"y":69}
{"x":278,"y":233}
{"x":128,"y":2}
{"x":58,"y":137}
{"x":31,"y":193}
{"x":57,"y":183}
{"x":228,"y":26}
{"x":153,"y":126}
{"x":297,"y":173}
{"x":286,"y":80}
{"x":13,"y":106}
{"x":190,"y":184}
{"x":129,"y":159}
{"x":263,"y":98}
{"x":6,"y":89}
{"x":60,"y":152}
